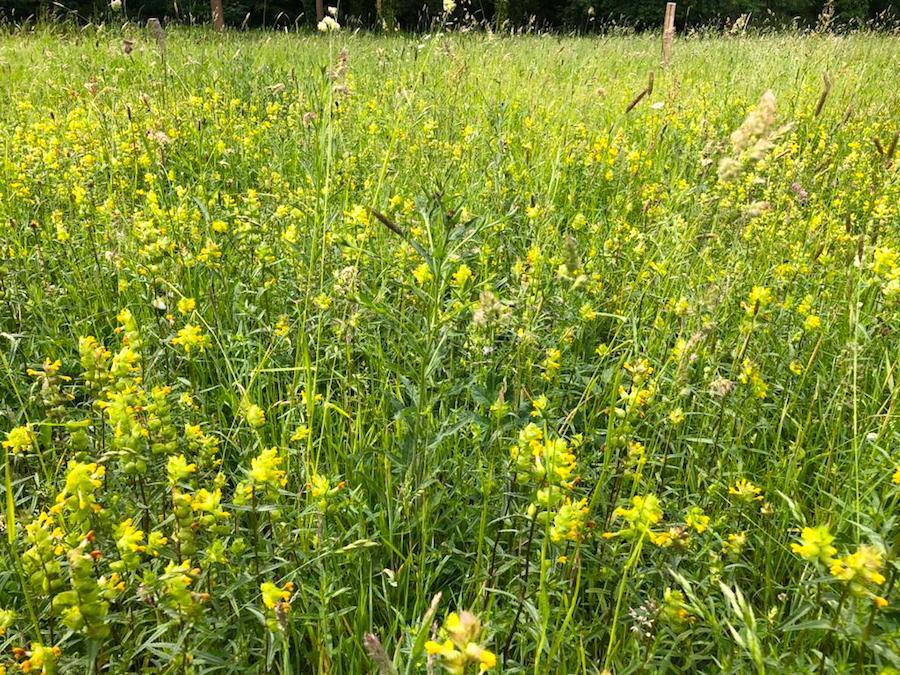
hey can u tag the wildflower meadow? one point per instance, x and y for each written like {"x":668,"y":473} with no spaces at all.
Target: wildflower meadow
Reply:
{"x":343,"y":352}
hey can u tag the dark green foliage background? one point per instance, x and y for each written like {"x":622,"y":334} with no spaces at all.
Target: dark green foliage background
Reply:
{"x":586,"y":15}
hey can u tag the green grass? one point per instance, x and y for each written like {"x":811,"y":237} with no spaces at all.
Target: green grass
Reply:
{"x":319,"y":208}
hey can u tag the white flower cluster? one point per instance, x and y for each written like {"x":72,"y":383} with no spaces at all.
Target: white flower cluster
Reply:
{"x":329,"y":24}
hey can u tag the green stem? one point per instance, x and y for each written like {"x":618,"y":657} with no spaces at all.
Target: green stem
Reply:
{"x":632,"y":561}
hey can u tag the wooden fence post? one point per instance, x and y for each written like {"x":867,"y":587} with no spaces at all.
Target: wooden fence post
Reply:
{"x":668,"y":32}
{"x":218,"y":14}
{"x":156,"y":30}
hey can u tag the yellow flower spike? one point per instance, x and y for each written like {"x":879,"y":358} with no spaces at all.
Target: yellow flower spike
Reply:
{"x":745,"y":491}
{"x":485,"y":659}
{"x":191,"y":338}
{"x":301,"y":433}
{"x":19,"y":439}
{"x":570,"y":521}
{"x":674,"y":536}
{"x":273,"y":595}
{"x":696,"y":519}
{"x":459,"y":646}
{"x":816,"y":546}
{"x":7,"y":617}
{"x":423,"y":274}
{"x":676,"y":416}
{"x":861,"y":567}
{"x":440,"y":648}
{"x":178,"y":469}
{"x":265,"y":469}
{"x":187,"y":305}
{"x":759,"y":298}
{"x":462,"y":275}
{"x":254,"y":415}
{"x":734,"y":544}
{"x":539,"y":405}
{"x":318,"y":485}
{"x":645,"y":512}
{"x":452,"y":623}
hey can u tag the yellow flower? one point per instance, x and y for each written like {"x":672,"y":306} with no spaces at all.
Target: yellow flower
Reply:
{"x":82,"y":480}
{"x":305,"y":398}
{"x":745,"y":491}
{"x":681,"y":306}
{"x":734,"y":544}
{"x":358,"y":215}
{"x":759,"y":298}
{"x":318,"y":485}
{"x":272,"y":595}
{"x":816,"y":546}
{"x":422,"y":274}
{"x":461,"y":276}
{"x":811,"y":323}
{"x":751,"y":375}
{"x":177,"y":469}
{"x":539,"y":404}
{"x":129,"y":538}
{"x":674,"y":536}
{"x":484,"y":658}
{"x":7,"y":616}
{"x":265,"y":469}
{"x":459,"y":646}
{"x":645,"y":512}
{"x":41,"y":659}
{"x":282,"y":326}
{"x":569,"y":521}
{"x":254,"y":415}
{"x":552,"y":363}
{"x":587,"y":313}
{"x":696,"y":519}
{"x":440,"y":648}
{"x":19,"y":439}
{"x":322,"y":301}
{"x":187,"y":305}
{"x":191,"y":337}
{"x":861,"y":567}
{"x":673,"y":610}
{"x":155,"y":542}
{"x":301,"y":433}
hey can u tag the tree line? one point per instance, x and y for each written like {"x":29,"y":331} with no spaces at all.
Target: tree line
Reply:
{"x":584,"y":15}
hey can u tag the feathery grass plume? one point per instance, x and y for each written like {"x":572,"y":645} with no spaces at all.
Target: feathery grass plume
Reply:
{"x":379,"y":656}
{"x":753,"y":139}
{"x":826,"y":89}
{"x":646,"y":91}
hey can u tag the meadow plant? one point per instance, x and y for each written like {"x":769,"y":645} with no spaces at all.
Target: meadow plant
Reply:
{"x":336,"y":352}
